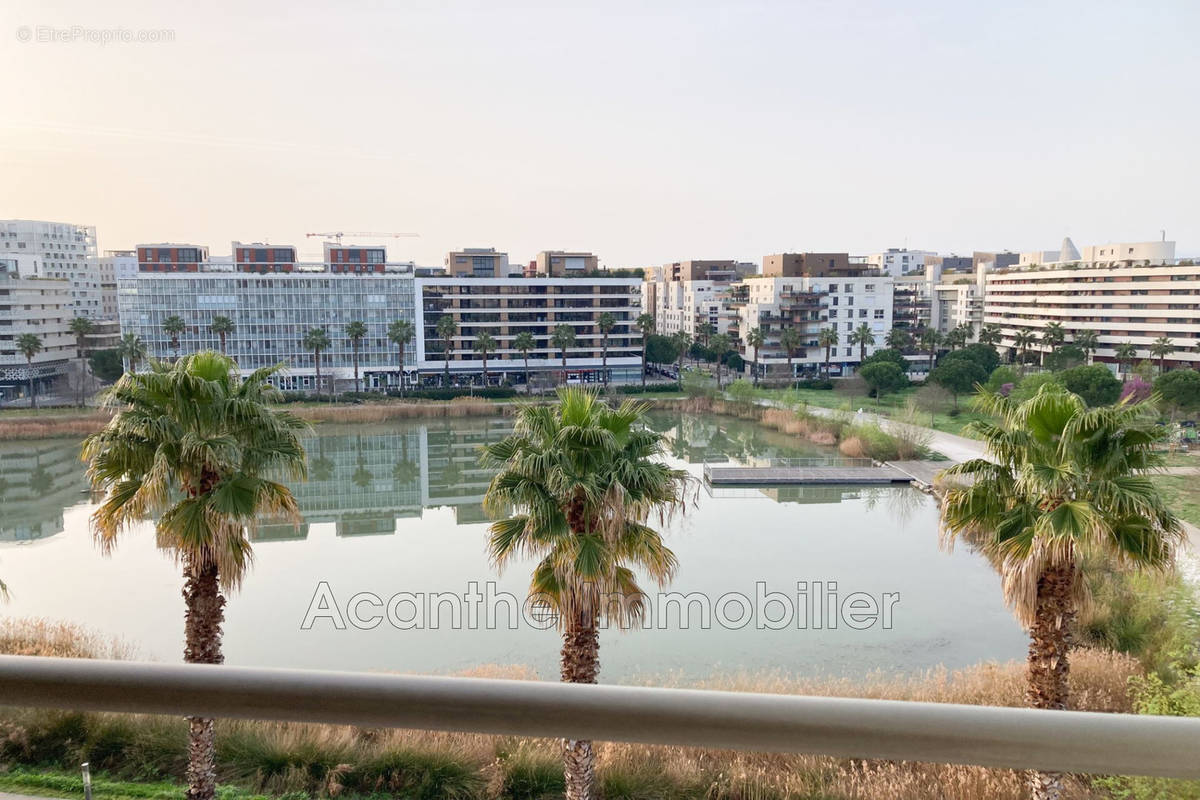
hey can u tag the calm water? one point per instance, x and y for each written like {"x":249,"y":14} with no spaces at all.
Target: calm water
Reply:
{"x":396,"y":509}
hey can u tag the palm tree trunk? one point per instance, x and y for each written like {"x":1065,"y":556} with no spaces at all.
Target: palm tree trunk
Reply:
{"x":580,"y":664}
{"x":446,"y":377}
{"x":317,"y":355}
{"x":205,"y":611}
{"x":485,"y":372}
{"x":564,"y":366}
{"x":791,"y":372}
{"x":357,"y":388}
{"x":222,"y":343}
{"x":645,"y":343}
{"x":1049,"y":668}
{"x":604,"y":361}
{"x":528,"y":386}
{"x":32,"y":393}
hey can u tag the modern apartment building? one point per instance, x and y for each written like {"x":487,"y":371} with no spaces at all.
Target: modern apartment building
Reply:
{"x":897,"y":261}
{"x":1124,"y":292}
{"x":168,"y":257}
{"x":41,"y":306}
{"x":480,"y":262}
{"x":61,"y":251}
{"x":794,"y":265}
{"x":263,"y":258}
{"x":687,"y":295}
{"x":506,"y":307}
{"x":111,"y":266}
{"x":563,"y":264}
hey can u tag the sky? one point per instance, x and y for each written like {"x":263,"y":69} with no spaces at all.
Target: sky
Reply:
{"x":644,"y":132}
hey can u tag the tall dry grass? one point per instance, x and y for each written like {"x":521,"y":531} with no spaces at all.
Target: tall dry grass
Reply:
{"x":382,"y":412}
{"x":42,"y":637}
{"x":50,"y":427}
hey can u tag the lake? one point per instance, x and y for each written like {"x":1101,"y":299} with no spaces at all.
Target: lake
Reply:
{"x":389,"y":570}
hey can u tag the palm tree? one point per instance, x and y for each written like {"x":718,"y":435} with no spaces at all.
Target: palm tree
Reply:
{"x":563,"y":339}
{"x":1088,"y":341}
{"x":317,"y":340}
{"x":1061,"y":480}
{"x":645,"y":324}
{"x":1053,"y":336}
{"x":400,"y":333}
{"x":174,"y":326}
{"x":82,"y":327}
{"x":191,"y":446}
{"x":1023,"y":340}
{"x":898,"y":339}
{"x":484,"y":344}
{"x":957,"y":337}
{"x":523,"y":342}
{"x":789,"y":340}
{"x":446,"y":329}
{"x":30,"y":345}
{"x":1160,"y":348}
{"x":355,"y":332}
{"x":1126,"y":355}
{"x":930,"y":339}
{"x":578,"y":482}
{"x":605,"y":323}
{"x":827,"y":338}
{"x":756,"y":338}
{"x":990,"y":334}
{"x":720,"y":345}
{"x":132,"y":349}
{"x":862,"y":337}
{"x":682,"y":341}
{"x":222,"y":326}
{"x":706,"y":332}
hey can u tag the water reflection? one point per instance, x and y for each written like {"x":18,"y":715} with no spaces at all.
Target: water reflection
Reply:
{"x":37,"y":481}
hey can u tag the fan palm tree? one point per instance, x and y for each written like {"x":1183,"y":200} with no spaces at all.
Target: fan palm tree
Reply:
{"x":1087,"y":341}
{"x":563,"y":339}
{"x":682,"y":341}
{"x":30,"y":345}
{"x":990,"y":334}
{"x":446,"y":329}
{"x":174,"y":326}
{"x":898,"y":339}
{"x":523,"y":342}
{"x":484,"y":343}
{"x":645,"y":324}
{"x":81,"y":327}
{"x":789,"y":340}
{"x":1023,"y":340}
{"x":317,"y":341}
{"x":827,"y":338}
{"x":578,"y":482}
{"x":1053,"y":336}
{"x":1062,"y":481}
{"x":756,"y":338}
{"x":1126,"y":355}
{"x":720,"y":345}
{"x":400,"y":333}
{"x":222,"y":326}
{"x":605,"y":324}
{"x":1160,"y":348}
{"x":191,"y":446}
{"x":132,"y":349}
{"x":355,"y":332}
{"x":957,"y":337}
{"x":862,"y":337}
{"x":930,"y":339}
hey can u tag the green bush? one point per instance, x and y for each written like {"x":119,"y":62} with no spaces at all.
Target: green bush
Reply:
{"x":1095,"y":384}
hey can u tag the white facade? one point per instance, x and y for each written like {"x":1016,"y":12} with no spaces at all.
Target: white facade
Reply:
{"x":688,"y":305}
{"x":899,"y":261}
{"x":1113,"y":254}
{"x":41,"y":306}
{"x":114,"y":265}
{"x":61,"y":251}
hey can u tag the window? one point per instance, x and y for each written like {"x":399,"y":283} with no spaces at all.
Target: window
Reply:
{"x":879,"y":313}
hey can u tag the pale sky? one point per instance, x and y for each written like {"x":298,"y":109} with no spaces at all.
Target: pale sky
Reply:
{"x":644,"y":132}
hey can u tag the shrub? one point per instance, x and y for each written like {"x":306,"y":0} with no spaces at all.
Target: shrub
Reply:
{"x":1095,"y":384}
{"x":1180,"y":390}
{"x":1136,"y":390}
{"x":1000,"y":376}
{"x":884,"y":377}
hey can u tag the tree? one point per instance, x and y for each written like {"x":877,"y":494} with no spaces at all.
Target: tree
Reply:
{"x":1023,"y":340}
{"x":1062,"y":480}
{"x":356,"y":332}
{"x":756,"y":338}
{"x":862,"y":337}
{"x":1126,"y":355}
{"x":661,"y":349}
{"x":706,"y":332}
{"x":957,"y":337}
{"x":930,"y":339}
{"x":222,"y":326}
{"x":1087,"y":341}
{"x":605,"y":324}
{"x":82,"y":327}
{"x":174,"y":326}
{"x":1160,"y":348}
{"x":720,"y":345}
{"x":30,"y":345}
{"x":645,"y":324}
{"x":851,"y":386}
{"x":898,"y":339}
{"x":132,"y":349}
{"x":1001,"y":377}
{"x":446,"y":329}
{"x":106,"y":364}
{"x":577,"y":485}
{"x":1053,"y":335}
{"x":400,"y":333}
{"x":984,"y":355}
{"x":890,"y":355}
{"x":682,"y":342}
{"x":958,"y":376}
{"x":317,"y":341}
{"x":192,"y":446}
{"x":523,"y":342}
{"x":1064,"y":356}
{"x":564,"y":339}
{"x":884,"y":377}
{"x":827,"y":338}
{"x":484,"y":344}
{"x":1094,"y":383}
{"x":989,"y":334}
{"x":1180,"y":390}
{"x":790,"y":341}
{"x":932,"y":398}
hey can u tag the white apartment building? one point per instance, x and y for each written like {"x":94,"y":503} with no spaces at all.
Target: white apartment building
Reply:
{"x":1113,"y":254}
{"x":897,"y":261}
{"x":506,"y":307}
{"x":60,"y":251}
{"x":43,"y":307}
{"x":689,"y":305}
{"x":112,"y":266}
{"x":808,"y":305}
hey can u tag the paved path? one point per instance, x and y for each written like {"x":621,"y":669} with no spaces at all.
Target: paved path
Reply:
{"x":794,"y":476}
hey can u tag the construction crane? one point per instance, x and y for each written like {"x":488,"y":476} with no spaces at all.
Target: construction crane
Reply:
{"x":337,"y":235}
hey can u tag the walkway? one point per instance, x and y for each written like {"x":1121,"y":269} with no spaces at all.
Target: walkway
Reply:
{"x":793,"y":476}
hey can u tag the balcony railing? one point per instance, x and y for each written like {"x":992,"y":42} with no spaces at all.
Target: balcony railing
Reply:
{"x":1015,"y":738}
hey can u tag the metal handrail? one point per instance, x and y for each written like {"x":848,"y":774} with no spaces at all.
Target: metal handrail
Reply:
{"x":1015,"y":738}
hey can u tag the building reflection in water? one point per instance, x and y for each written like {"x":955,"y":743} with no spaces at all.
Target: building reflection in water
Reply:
{"x":38,"y":480}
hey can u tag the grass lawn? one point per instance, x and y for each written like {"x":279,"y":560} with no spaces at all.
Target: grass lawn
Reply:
{"x":1182,"y":493}
{"x":49,"y":783}
{"x":889,"y":406}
